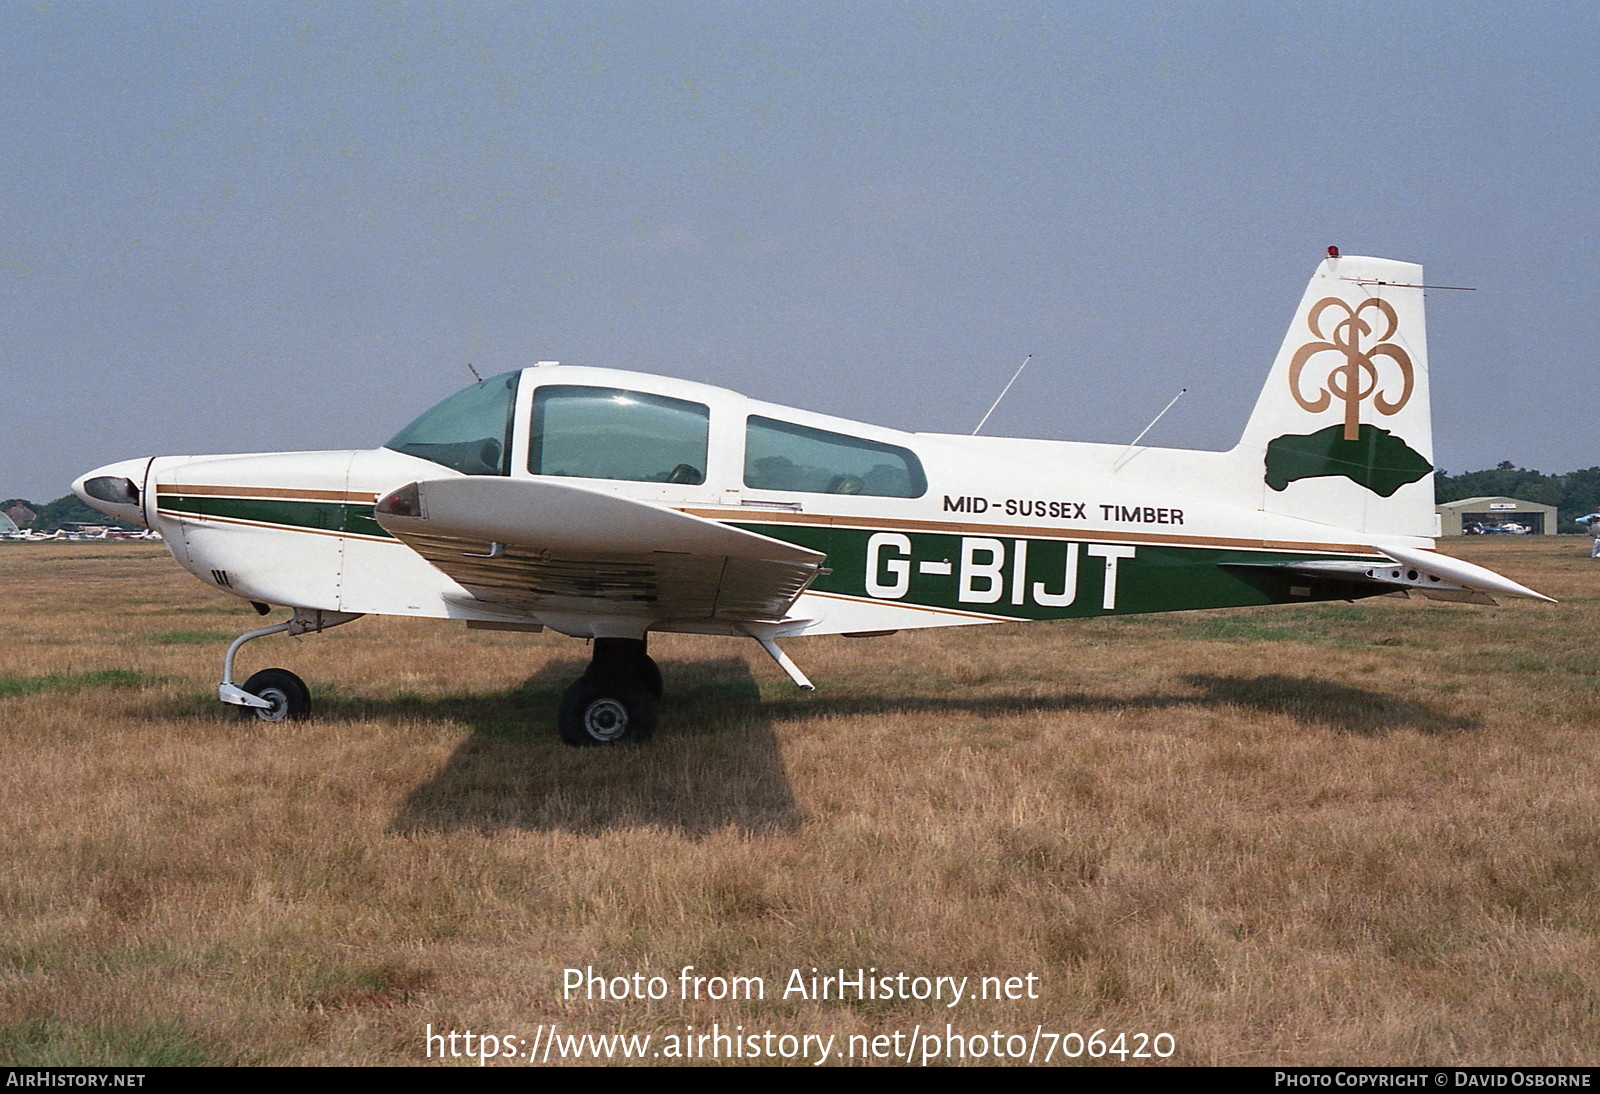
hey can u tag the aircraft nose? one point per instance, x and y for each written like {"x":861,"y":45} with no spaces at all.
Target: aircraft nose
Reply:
{"x":116,"y":490}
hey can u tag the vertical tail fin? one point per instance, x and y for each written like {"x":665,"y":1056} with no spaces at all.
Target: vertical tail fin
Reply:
{"x":1342,"y":430}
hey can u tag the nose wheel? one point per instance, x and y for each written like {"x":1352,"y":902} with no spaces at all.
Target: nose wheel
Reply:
{"x":285,"y":694}
{"x":276,"y":695}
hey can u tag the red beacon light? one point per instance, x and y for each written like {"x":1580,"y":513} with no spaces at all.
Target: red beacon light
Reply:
{"x":1333,"y":252}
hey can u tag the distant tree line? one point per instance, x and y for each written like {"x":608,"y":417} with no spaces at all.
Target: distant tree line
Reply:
{"x":53,"y":515}
{"x":1573,"y":495}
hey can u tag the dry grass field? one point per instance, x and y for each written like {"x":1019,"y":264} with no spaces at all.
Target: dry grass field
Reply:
{"x":1340,"y":834}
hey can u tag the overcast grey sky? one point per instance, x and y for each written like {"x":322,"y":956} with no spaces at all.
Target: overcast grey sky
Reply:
{"x":262,"y":227}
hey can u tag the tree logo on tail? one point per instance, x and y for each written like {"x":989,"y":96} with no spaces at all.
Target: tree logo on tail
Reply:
{"x":1353,"y":375}
{"x":1356,"y":363}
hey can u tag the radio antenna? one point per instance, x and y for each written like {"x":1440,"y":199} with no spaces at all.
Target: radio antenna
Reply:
{"x":1003,"y":391}
{"x":474,"y":372}
{"x":1135,"y":442}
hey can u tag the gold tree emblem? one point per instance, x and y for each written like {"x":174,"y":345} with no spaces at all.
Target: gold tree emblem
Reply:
{"x":1353,"y":377}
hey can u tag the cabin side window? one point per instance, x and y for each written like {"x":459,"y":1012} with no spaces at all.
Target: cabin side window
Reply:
{"x":784,"y":456}
{"x":469,"y":432}
{"x":609,"y":433}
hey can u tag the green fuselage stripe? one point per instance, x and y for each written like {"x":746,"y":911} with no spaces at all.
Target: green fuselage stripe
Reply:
{"x":320,"y":516}
{"x":1058,"y":579}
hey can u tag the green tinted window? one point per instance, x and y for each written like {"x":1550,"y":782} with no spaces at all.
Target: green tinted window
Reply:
{"x":609,"y":433}
{"x":784,"y":456}
{"x":469,"y":432}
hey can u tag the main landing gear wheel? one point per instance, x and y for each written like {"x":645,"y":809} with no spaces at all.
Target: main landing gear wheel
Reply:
{"x":614,"y":701}
{"x":649,"y":677}
{"x":287,"y":696}
{"x":593,"y":714}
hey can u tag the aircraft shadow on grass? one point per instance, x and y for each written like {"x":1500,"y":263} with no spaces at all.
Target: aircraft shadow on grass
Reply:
{"x":1350,"y":710}
{"x":720,"y":765}
{"x":717,"y":767}
{"x":1344,"y":709}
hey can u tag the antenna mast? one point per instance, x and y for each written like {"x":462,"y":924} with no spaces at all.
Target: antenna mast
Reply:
{"x":1135,"y":442}
{"x":1157,"y":418}
{"x":1003,"y":391}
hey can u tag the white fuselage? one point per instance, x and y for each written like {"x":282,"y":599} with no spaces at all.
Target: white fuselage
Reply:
{"x":296,"y":528}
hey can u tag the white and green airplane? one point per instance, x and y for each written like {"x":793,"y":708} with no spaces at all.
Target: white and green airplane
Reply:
{"x":611,"y":505}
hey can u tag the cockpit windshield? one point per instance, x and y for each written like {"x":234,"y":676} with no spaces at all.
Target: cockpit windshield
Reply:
{"x":469,"y":432}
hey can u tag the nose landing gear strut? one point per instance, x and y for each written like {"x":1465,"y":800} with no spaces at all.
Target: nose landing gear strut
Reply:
{"x":274,"y":695}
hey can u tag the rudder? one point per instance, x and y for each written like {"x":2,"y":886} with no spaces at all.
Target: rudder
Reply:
{"x":1342,"y":431}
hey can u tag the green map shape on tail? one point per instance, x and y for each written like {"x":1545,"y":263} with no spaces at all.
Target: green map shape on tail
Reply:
{"x":1376,"y":459}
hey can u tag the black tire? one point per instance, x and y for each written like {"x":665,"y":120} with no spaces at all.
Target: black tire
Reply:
{"x":288,"y":695}
{"x":650,"y":677}
{"x":596,"y":713}
{"x":623,"y":663}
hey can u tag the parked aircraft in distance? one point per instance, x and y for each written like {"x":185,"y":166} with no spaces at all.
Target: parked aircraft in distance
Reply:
{"x":612,"y":505}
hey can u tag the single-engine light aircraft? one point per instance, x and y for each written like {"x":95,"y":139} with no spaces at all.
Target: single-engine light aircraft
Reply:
{"x":610,"y":505}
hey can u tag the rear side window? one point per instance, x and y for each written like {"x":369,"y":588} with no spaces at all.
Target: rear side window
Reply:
{"x":610,"y":433}
{"x":784,"y":456}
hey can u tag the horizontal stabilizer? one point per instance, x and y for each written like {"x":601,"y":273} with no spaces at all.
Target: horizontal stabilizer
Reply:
{"x":1427,"y":573}
{"x":1466,"y":574}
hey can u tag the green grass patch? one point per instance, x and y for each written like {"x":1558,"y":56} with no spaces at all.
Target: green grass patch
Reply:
{"x":48,"y":1042}
{"x":188,"y":638}
{"x":1335,"y":611}
{"x":376,"y":986}
{"x":12,"y":687}
{"x":1249,"y":631}
{"x":87,"y":556}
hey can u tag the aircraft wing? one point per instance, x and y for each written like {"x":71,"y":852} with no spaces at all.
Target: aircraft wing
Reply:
{"x":546,"y":546}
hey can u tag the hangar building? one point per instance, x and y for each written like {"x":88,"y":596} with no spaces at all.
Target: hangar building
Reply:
{"x":1472,"y":516}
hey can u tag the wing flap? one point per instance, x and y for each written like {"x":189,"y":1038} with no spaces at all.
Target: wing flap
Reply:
{"x":540,"y":546}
